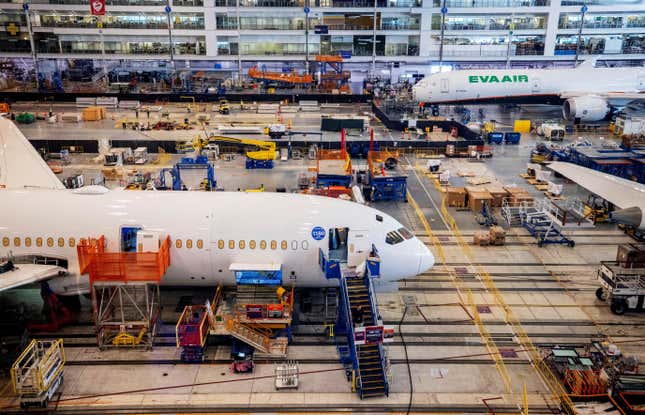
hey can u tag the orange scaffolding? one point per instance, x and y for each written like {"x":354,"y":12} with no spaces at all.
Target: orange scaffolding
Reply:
{"x":121,"y":266}
{"x":287,"y":78}
{"x":125,"y":291}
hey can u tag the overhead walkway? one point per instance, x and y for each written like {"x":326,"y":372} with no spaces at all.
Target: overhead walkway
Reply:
{"x":360,"y":346}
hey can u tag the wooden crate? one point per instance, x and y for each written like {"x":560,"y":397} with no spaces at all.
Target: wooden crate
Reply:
{"x":498,"y":194}
{"x":456,"y":197}
{"x":93,"y":113}
{"x":477,"y":198}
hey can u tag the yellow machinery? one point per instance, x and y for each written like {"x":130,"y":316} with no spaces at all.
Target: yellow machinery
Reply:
{"x":260,"y":150}
{"x":256,"y":190}
{"x":489,"y":127}
{"x":596,"y":209}
{"x":38,"y":372}
{"x":224,"y":108}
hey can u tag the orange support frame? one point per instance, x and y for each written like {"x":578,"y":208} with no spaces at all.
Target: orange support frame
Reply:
{"x":289,"y":78}
{"x":122,"y":266}
{"x":334,"y":155}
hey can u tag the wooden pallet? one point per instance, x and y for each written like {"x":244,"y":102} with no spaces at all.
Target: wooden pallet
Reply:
{"x":541,"y":187}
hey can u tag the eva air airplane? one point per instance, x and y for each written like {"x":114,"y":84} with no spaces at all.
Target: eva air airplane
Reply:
{"x":586,"y":93}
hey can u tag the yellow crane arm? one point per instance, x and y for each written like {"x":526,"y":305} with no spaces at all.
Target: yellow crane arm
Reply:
{"x":263,"y":150}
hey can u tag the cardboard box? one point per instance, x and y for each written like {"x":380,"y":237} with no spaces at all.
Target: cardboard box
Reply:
{"x":481,"y":238}
{"x":497,"y":235}
{"x":456,"y":197}
{"x":94,"y":113}
{"x":498,"y":194}
{"x":477,"y":198}
{"x":631,"y":255}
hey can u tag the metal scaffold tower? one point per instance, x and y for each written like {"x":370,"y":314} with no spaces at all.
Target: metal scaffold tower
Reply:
{"x":125,"y":292}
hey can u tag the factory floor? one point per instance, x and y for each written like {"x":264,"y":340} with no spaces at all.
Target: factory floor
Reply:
{"x":454,"y":320}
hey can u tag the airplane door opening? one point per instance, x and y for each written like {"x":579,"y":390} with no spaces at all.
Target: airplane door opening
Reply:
{"x":338,"y":244}
{"x":129,"y":238}
{"x":358,"y":247}
{"x":445,"y":86}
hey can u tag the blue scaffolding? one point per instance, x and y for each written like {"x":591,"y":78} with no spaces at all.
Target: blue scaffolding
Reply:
{"x":188,"y":163}
{"x":360,"y":349}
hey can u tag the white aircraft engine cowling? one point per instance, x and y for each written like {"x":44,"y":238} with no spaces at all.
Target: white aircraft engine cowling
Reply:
{"x":585,"y":108}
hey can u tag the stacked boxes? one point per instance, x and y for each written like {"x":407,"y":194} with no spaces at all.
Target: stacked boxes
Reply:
{"x":456,"y":196}
{"x":477,"y":198}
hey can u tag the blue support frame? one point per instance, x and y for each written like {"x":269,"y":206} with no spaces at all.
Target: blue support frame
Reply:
{"x":389,"y":188}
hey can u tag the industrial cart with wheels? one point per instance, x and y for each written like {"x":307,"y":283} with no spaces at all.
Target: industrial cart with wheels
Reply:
{"x":621,"y":287}
{"x":38,"y":372}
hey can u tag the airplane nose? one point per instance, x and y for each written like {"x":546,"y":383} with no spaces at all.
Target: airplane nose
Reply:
{"x":426,"y":259}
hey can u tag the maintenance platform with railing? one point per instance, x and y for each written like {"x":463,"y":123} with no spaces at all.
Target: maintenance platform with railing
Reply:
{"x":258,"y":315}
{"x":386,"y":180}
{"x":359,"y":332}
{"x":125,"y":290}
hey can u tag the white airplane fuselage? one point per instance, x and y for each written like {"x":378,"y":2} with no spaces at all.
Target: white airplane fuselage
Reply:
{"x":223,"y":228}
{"x":588,"y":91}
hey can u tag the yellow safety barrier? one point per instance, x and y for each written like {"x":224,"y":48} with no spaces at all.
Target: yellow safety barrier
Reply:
{"x":524,"y":340}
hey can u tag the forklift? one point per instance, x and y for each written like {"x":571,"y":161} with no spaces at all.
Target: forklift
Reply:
{"x":597,"y":209}
{"x":224,"y":107}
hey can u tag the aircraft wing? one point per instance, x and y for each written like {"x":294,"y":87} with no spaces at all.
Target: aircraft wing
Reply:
{"x":622,"y":193}
{"x":610,"y":96}
{"x":24,"y":274}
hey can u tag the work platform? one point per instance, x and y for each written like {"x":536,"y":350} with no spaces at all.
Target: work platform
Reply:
{"x":386,"y":180}
{"x":257,"y":315}
{"x":125,"y":291}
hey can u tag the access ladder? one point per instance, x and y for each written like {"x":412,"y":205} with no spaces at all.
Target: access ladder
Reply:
{"x":365,"y":361}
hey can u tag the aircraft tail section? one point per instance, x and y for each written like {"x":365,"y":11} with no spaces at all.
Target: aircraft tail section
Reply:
{"x":20,"y":164}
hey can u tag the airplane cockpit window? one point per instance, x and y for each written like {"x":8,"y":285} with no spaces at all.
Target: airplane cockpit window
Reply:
{"x":406,"y":233}
{"x":379,"y":218}
{"x":393,"y":238}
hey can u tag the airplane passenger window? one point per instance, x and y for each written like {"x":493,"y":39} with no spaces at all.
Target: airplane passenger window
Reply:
{"x":16,"y":241}
{"x":242,"y":244}
{"x":72,"y":242}
{"x":305,"y":245}
{"x":39,"y":241}
{"x":274,"y":244}
{"x":200,"y":243}
{"x":220,"y":244}
{"x":294,"y":245}
{"x":27,"y":242}
{"x":178,"y":243}
{"x":283,"y":245}
{"x":406,"y":233}
{"x":5,"y":241}
{"x":189,"y":243}
{"x":61,"y":242}
{"x":231,"y":244}
{"x":252,"y":244}
{"x":263,"y":244}
{"x":50,"y":242}
{"x":393,"y":238}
